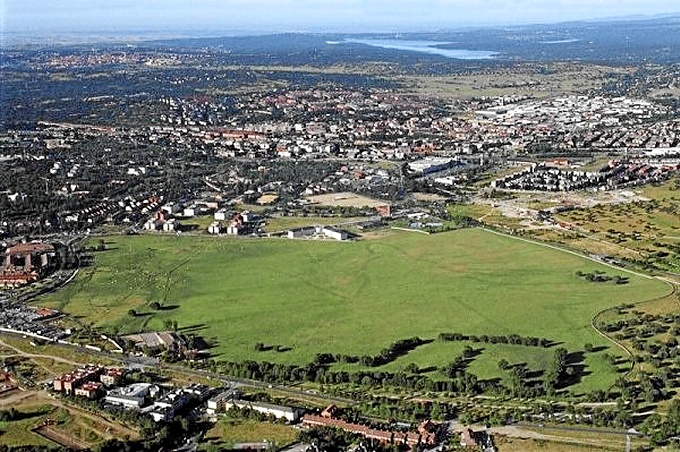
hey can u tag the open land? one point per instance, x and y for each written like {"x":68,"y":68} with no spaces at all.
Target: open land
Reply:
{"x":71,"y":425}
{"x":314,"y":297}
{"x":226,"y":432}
{"x":345,"y":199}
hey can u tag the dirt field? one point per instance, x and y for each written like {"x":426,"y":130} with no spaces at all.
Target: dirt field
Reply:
{"x":419,"y":196}
{"x":345,"y":199}
{"x":61,"y":438}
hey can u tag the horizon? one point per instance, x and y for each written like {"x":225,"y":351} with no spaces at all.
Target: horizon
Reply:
{"x":32,"y":20}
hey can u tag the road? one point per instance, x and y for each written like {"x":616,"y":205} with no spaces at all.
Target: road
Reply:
{"x":154,"y":364}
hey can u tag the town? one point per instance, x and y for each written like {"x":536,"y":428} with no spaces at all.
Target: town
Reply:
{"x":329,"y":246}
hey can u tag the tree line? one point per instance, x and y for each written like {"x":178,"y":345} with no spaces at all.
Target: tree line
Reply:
{"x":513,"y":339}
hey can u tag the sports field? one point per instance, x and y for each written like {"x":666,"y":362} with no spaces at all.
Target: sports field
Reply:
{"x":356,"y":298}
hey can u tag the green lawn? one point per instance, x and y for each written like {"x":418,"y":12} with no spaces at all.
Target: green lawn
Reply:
{"x":20,"y":432}
{"x":226,"y":432}
{"x":354,"y":298}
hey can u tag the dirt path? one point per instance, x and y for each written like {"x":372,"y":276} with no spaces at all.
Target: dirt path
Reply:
{"x":110,"y":425}
{"x":20,"y":352}
{"x":512,"y":431}
{"x":43,"y":397}
{"x":15,"y":397}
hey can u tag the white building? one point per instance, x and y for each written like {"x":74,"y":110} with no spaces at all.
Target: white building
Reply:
{"x":247,"y":216}
{"x":165,"y":408}
{"x":190,"y":211}
{"x":171,"y":208}
{"x":171,"y":225}
{"x":216,"y":403}
{"x":229,"y":399}
{"x":215,"y":228}
{"x":133,"y":396}
{"x":299,"y":233}
{"x":152,"y":224}
{"x":221,"y":215}
{"x":317,"y":232}
{"x":333,"y":233}
{"x":234,"y":229}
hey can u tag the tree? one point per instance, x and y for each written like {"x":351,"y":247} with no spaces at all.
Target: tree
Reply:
{"x":156,"y":306}
{"x":132,"y":313}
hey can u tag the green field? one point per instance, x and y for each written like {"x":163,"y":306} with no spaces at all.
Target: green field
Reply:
{"x":226,"y":432}
{"x":356,"y":298}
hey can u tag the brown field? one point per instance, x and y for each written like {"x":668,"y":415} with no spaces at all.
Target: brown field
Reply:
{"x":421,"y":196}
{"x":267,"y":198}
{"x":61,"y":438}
{"x":345,"y":199}
{"x":543,"y":80}
{"x":533,"y":445}
{"x":553,"y":439}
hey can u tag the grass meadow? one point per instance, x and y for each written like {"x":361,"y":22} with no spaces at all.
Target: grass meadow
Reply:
{"x":356,"y":298}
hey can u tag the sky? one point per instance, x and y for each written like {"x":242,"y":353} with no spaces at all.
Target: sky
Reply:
{"x":44,"y":17}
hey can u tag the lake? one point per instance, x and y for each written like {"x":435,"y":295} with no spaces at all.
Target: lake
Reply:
{"x":429,"y":47}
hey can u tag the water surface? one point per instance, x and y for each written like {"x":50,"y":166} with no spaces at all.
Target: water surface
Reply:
{"x":430,"y":47}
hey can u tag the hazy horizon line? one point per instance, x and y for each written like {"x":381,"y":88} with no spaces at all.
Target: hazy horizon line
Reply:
{"x":66,"y":37}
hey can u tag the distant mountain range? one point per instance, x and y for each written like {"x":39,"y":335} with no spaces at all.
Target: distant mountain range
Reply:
{"x":616,"y":41}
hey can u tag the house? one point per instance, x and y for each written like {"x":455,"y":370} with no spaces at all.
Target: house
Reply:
{"x":330,"y":411}
{"x":157,"y":340}
{"x":111,"y":377}
{"x":152,"y":224}
{"x":384,"y":436}
{"x":69,"y":382}
{"x":89,"y":390}
{"x":468,"y":438}
{"x":215,"y":228}
{"x":221,"y":215}
{"x":234,"y":229}
{"x":247,"y":216}
{"x":171,"y":225}
{"x":217,"y":403}
{"x":171,"y":208}
{"x":190,"y":211}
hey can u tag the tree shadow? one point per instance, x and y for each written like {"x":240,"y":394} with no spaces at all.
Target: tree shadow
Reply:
{"x":143,"y":314}
{"x":193,"y":328}
{"x":599,"y":348}
{"x":575,"y":369}
{"x":551,"y":344}
{"x":534,"y":374}
{"x":23,"y":415}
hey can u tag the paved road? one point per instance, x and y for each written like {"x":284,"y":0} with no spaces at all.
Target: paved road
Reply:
{"x":151,"y":363}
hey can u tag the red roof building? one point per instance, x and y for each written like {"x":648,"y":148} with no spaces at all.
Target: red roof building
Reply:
{"x":384,"y":436}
